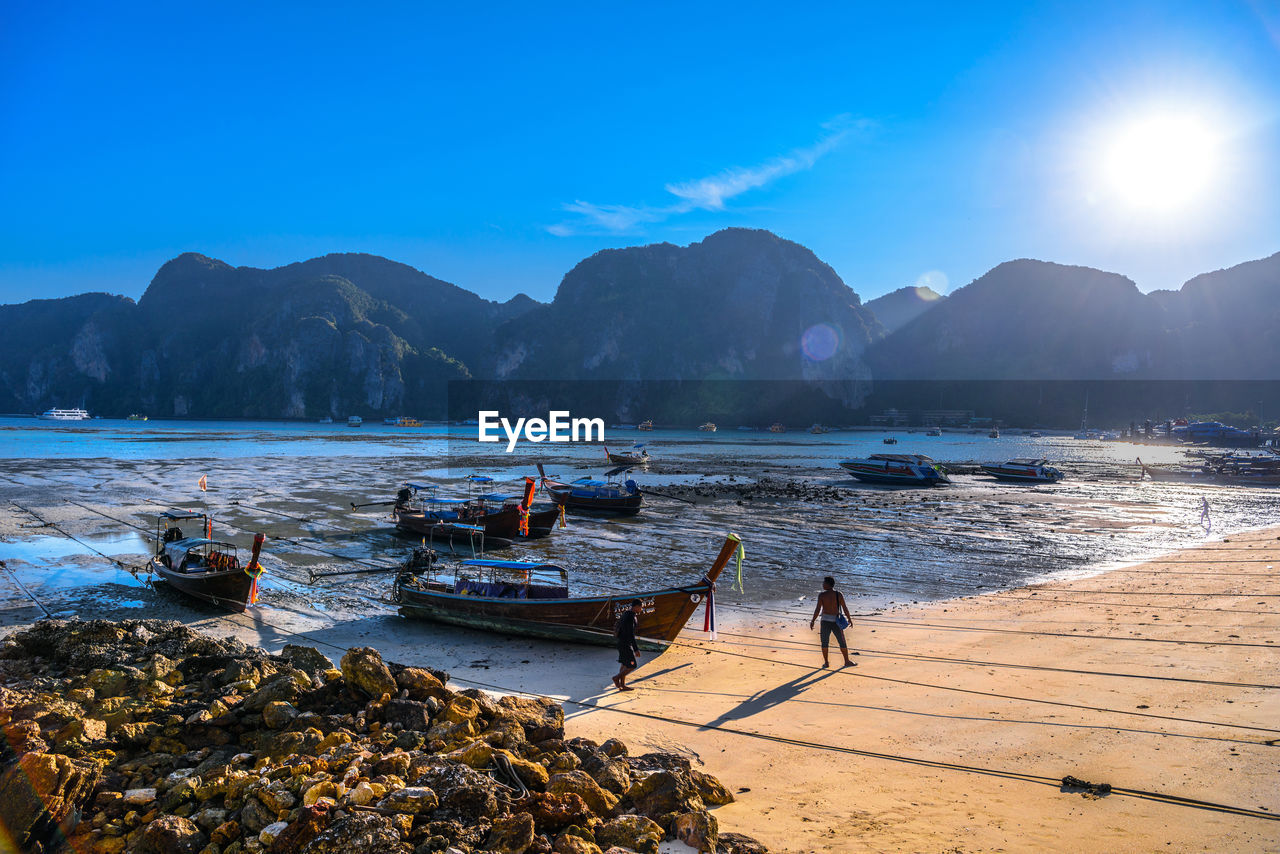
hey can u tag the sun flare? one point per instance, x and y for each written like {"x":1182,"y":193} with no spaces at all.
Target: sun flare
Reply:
{"x":1161,"y":164}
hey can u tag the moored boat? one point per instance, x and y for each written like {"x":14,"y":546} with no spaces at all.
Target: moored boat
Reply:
{"x":354,"y":420}
{"x":406,"y":421}
{"x":604,"y":497}
{"x":645,"y":425}
{"x":896,"y":470}
{"x":202,"y":567}
{"x":707,"y":427}
{"x":136,"y":417}
{"x":933,"y":431}
{"x":636,"y":455}
{"x":456,"y":521}
{"x":531,"y":599}
{"x":889,"y":440}
{"x":777,"y":427}
{"x":1023,"y":470}
{"x":817,"y":429}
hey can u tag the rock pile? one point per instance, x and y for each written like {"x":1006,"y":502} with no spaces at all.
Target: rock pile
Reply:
{"x":145,"y":736}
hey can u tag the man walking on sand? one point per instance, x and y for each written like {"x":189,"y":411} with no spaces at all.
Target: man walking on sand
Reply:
{"x":625,"y":633}
{"x":830,"y":604}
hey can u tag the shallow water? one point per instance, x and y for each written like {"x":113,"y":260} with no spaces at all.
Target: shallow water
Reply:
{"x":885,"y":545}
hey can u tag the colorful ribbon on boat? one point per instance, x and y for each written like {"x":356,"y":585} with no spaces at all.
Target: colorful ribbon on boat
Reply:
{"x":709,"y":618}
{"x":563,"y":523}
{"x":253,"y":570}
{"x":524,"y":521}
{"x":741,"y":554}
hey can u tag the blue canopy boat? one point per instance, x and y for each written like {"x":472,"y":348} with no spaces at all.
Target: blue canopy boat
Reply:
{"x":609,"y":496}
{"x":201,"y":566}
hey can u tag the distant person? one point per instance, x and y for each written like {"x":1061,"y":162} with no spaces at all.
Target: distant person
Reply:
{"x":625,"y":633}
{"x":830,"y":604}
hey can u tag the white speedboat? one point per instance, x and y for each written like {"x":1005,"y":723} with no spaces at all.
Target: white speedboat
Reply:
{"x":65,"y":415}
{"x":896,"y":470}
{"x":1023,"y":470}
{"x":354,"y":421}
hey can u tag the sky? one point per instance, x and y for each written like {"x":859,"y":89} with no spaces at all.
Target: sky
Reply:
{"x":495,"y":146}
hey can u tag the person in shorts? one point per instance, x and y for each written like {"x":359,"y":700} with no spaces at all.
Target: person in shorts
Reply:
{"x":830,"y":604}
{"x":625,"y":634}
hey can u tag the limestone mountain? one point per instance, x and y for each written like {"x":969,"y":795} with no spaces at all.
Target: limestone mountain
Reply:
{"x":898,"y":308}
{"x":1030,"y":319}
{"x":330,"y":336}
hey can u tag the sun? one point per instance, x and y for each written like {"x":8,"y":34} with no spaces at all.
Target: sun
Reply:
{"x":1161,"y":164}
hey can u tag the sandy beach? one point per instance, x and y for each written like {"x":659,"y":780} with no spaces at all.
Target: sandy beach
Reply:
{"x":951,"y":733}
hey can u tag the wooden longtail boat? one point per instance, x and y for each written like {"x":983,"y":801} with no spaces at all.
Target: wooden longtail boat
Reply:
{"x":453,"y":520}
{"x":531,"y":599}
{"x":201,"y":567}
{"x":601,"y":497}
{"x":636,"y":455}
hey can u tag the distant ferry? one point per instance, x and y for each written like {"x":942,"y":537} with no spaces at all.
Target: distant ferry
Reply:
{"x":65,"y":415}
{"x":707,"y":428}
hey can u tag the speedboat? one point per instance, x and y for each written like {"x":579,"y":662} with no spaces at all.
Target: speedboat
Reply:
{"x":777,"y":427}
{"x":818,"y":429}
{"x":994,"y":434}
{"x":406,"y":421}
{"x":137,"y":417}
{"x":890,"y":440}
{"x":1023,"y":470}
{"x":707,"y":427}
{"x":896,"y":470}
{"x":933,"y":431}
{"x":65,"y":415}
{"x":645,"y":425}
{"x":354,"y":420}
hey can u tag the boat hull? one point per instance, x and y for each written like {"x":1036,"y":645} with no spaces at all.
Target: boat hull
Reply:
{"x":599,"y":505}
{"x":1014,"y":476}
{"x":543,"y":522}
{"x":228,"y":589}
{"x":436,"y":530}
{"x":587,"y":620}
{"x":890,"y":478}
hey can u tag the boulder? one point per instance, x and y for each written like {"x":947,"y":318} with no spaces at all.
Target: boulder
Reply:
{"x":580,"y":783}
{"x":362,"y":833}
{"x":664,"y":792}
{"x":308,"y":659}
{"x":282,"y":689}
{"x":410,"y":800}
{"x":553,"y":813}
{"x":698,"y":830}
{"x":634,"y":832}
{"x":171,"y":834}
{"x":738,"y":843}
{"x":711,"y":790}
{"x":278,"y":714}
{"x":511,"y":834}
{"x":568,"y":844}
{"x":363,"y":669}
{"x":310,"y":823}
{"x":408,"y":714}
{"x":419,"y":684}
{"x":42,"y":791}
{"x":541,"y":718}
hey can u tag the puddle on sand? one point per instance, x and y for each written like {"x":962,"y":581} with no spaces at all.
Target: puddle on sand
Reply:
{"x":45,"y":548}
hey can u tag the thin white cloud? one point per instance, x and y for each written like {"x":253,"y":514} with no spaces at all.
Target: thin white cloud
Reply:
{"x":708,"y":194}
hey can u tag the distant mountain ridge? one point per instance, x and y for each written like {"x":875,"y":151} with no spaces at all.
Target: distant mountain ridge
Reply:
{"x":354,"y":333}
{"x":896,"y":309}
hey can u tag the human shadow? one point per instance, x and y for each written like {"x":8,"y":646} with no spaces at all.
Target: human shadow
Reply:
{"x":762,"y":701}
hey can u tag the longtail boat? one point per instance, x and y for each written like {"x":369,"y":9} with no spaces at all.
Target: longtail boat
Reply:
{"x":419,"y":512}
{"x":531,"y":599}
{"x":202,"y":567}
{"x":540,"y":518}
{"x":607,"y":497}
{"x":636,"y":455}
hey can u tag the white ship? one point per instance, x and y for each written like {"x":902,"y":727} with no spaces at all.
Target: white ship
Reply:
{"x":65,"y":415}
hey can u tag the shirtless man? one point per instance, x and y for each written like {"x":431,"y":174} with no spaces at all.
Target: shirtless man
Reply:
{"x":830,"y":604}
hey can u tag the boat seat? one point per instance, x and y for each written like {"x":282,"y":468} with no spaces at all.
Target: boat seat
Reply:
{"x":223,"y":561}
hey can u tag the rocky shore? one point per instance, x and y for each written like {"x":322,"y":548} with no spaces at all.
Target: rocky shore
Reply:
{"x":145,"y":736}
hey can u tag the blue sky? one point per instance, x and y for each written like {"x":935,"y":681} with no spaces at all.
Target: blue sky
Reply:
{"x":497,"y":146}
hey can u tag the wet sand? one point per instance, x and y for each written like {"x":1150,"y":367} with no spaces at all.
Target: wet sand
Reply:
{"x":922,"y":689}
